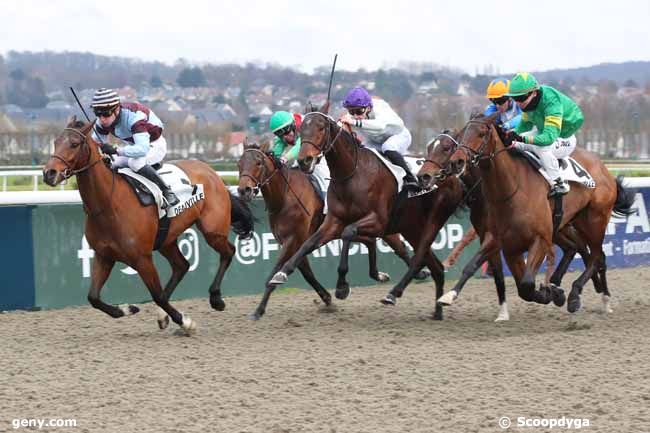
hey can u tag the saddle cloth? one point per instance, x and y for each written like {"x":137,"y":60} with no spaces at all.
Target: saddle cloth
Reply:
{"x":188,"y":194}
{"x":570,"y":170}
{"x":398,"y":172}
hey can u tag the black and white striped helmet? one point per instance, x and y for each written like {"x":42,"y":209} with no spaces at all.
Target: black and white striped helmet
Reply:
{"x":105,"y":98}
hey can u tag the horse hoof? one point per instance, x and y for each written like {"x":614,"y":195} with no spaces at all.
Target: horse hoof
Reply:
{"x":255,"y":316}
{"x":559,"y":298}
{"x":343,"y":292}
{"x":607,"y":309}
{"x":389,"y":300}
{"x":422,"y":275}
{"x":437,"y":314}
{"x":382,"y":277}
{"x":189,"y":326}
{"x":448,"y":298}
{"x":573,"y":305}
{"x":279,"y":278}
{"x":163,"y":323}
{"x":218,"y":304}
{"x":129,"y":310}
{"x":503,"y":316}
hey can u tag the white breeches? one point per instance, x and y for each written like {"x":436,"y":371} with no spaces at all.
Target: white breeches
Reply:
{"x":155,"y":155}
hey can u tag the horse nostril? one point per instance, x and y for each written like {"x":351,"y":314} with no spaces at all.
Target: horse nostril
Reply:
{"x":49,"y":175}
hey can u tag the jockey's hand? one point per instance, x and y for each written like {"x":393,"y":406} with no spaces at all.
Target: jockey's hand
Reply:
{"x":517,"y":145}
{"x":283,"y":160}
{"x":109,"y":149}
{"x":348,"y":119}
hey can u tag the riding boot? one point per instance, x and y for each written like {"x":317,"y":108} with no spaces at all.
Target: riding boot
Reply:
{"x":151,"y":174}
{"x":410,"y":181}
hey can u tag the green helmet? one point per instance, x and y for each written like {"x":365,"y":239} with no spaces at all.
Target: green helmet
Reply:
{"x":280,"y":119}
{"x":522,"y":84}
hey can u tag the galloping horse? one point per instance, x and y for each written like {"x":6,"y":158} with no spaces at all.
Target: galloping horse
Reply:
{"x":520,"y":214}
{"x":437,"y":167}
{"x":118,"y":228}
{"x":362,"y":200}
{"x":295,"y":212}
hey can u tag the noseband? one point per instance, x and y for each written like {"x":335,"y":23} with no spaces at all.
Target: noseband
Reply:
{"x":68,"y":172}
{"x":264,"y":178}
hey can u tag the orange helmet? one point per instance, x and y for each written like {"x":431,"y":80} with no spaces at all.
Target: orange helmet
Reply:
{"x":497,"y":88}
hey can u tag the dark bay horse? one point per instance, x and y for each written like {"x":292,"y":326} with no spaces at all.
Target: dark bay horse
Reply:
{"x":118,"y":228}
{"x":362,"y":201}
{"x":520,"y":214}
{"x":437,"y":167}
{"x":295,"y":212}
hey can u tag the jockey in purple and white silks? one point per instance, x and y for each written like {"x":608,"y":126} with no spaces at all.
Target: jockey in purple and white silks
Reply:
{"x":382,"y":128}
{"x":139,"y":129}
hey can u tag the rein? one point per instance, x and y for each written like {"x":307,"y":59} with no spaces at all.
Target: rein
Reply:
{"x":323,"y":150}
{"x":267,"y":179}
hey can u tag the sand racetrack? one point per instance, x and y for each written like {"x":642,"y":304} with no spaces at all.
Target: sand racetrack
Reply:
{"x":363,"y":368}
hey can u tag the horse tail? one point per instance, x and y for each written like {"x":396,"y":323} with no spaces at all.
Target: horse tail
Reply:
{"x":241,"y":216}
{"x":624,"y":199}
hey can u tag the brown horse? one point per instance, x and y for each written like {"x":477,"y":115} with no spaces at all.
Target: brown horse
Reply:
{"x":363,"y":200}
{"x":520,"y":214}
{"x":437,"y":167}
{"x":118,"y":228}
{"x":295,"y":212}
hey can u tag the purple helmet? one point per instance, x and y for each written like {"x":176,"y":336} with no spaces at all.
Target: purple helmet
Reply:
{"x":358,"y":97}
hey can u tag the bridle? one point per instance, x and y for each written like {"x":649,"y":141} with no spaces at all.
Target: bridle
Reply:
{"x":329,"y":145}
{"x":264,"y":178}
{"x":68,"y":172}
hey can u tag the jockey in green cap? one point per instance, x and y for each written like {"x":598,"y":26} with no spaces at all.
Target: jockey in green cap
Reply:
{"x":556,"y":117}
{"x":284,"y":126}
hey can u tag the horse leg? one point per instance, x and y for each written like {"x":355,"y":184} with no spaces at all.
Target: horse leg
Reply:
{"x":570,"y":242}
{"x":606,"y":296}
{"x":102,"y":267}
{"x":500,"y":284}
{"x":526,"y":287}
{"x":422,"y":242}
{"x":308,"y":275}
{"x":395,"y":242}
{"x":489,"y":247}
{"x":342,"y":287}
{"x":330,"y":229}
{"x":373,"y":271}
{"x":226,"y":250}
{"x":180,"y":266}
{"x":149,"y":275}
{"x":592,"y":228}
{"x":438,"y":275}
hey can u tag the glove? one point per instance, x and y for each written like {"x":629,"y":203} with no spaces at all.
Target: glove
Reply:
{"x":109,"y":149}
{"x":283,"y":160}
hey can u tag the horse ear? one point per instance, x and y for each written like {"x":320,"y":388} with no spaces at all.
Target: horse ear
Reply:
{"x":265,"y":146}
{"x":325,"y":108}
{"x":310,"y":108}
{"x":71,"y":120}
{"x":492,"y":118}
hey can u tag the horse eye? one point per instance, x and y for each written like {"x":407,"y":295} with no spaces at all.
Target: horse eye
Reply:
{"x":73,"y":144}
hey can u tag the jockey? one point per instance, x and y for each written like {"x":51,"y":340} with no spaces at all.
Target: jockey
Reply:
{"x":556,"y":117}
{"x":284,"y":126}
{"x":141,"y":132}
{"x":509,"y":112}
{"x":383,"y":129}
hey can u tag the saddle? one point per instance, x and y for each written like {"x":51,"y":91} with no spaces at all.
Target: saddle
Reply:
{"x":570,"y":169}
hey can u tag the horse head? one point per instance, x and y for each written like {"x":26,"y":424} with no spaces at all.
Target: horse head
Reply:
{"x":438,"y":165}
{"x":316,"y":137}
{"x":72,"y":153}
{"x":479,"y":141}
{"x":256,"y":167}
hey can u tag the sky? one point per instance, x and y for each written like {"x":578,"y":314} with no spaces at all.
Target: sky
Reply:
{"x":468,"y":35}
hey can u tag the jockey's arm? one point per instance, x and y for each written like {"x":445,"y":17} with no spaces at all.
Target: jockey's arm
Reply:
{"x":278,"y":147}
{"x":100,"y":135}
{"x":139,"y":148}
{"x":525,"y":125}
{"x":292,"y":153}
{"x":512,"y":123}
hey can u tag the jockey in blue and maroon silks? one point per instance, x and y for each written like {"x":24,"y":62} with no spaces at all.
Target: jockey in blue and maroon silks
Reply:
{"x":139,"y":129}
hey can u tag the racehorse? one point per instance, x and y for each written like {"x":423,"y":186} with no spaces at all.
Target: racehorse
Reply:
{"x":118,"y":228}
{"x":437,"y":167}
{"x":363,"y":200}
{"x":520,"y":215}
{"x":295,"y":212}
